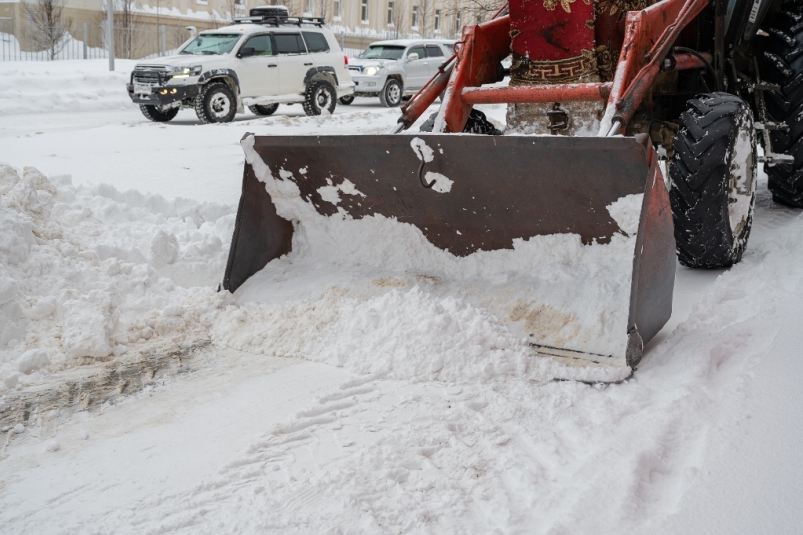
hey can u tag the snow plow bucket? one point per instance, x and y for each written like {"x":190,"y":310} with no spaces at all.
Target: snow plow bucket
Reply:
{"x":567,"y":241}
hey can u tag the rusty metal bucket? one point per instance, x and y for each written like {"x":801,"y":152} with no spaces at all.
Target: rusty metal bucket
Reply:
{"x":535,"y":230}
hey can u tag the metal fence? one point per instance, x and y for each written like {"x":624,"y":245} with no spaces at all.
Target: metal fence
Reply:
{"x":87,"y":40}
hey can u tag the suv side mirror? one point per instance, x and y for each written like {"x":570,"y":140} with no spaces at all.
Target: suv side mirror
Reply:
{"x":246,"y":51}
{"x":412,"y":57}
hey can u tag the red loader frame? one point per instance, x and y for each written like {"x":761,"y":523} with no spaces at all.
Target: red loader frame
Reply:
{"x":647,"y":50}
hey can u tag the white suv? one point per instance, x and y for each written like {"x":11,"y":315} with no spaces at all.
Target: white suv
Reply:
{"x":392,"y":69}
{"x":261,"y":62}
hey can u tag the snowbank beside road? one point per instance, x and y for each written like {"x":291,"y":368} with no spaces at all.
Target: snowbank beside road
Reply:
{"x":65,"y":85}
{"x":88,"y":272}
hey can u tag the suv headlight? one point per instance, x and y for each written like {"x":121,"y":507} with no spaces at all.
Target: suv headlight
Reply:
{"x":371,"y":71}
{"x":183,"y":72}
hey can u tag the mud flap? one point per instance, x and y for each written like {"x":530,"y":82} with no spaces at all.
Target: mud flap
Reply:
{"x":497,"y":208}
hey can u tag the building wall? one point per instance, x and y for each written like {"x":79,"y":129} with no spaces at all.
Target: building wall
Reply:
{"x":175,"y":15}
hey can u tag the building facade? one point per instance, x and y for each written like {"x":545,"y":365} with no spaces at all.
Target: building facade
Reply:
{"x":147,"y":27}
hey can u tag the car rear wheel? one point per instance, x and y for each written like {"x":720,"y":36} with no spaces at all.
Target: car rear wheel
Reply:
{"x":347,"y":100}
{"x":266,"y":109}
{"x":320,"y":96}
{"x":391,"y":94}
{"x":158,"y":114}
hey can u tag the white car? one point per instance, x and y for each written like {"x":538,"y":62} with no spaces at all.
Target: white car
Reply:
{"x":392,"y":69}
{"x":260,"y":62}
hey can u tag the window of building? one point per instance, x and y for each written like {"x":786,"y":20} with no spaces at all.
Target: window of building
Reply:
{"x":414,"y":21}
{"x":308,"y":7}
{"x":458,"y":23}
{"x":390,"y":13}
{"x":437,"y":21}
{"x":364,"y":11}
{"x":336,"y":10}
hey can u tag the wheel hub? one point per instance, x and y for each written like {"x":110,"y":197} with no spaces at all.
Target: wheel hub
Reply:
{"x":394,"y":94}
{"x":220,"y":105}
{"x":742,"y":182}
{"x":322,"y":98}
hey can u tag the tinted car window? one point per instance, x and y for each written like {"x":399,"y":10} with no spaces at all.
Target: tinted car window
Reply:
{"x":289,"y":43}
{"x":417,"y":50}
{"x":434,"y":51}
{"x":316,"y":42}
{"x":383,"y":52}
{"x":261,"y":44}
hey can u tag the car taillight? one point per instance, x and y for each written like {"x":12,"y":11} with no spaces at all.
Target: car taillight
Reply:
{"x":346,"y":59}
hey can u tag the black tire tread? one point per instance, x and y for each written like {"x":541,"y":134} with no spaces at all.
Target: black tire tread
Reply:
{"x":200,"y":102}
{"x":699,"y":172}
{"x":153,"y":114}
{"x":309,"y":105}
{"x":383,"y":94}
{"x":263,"y":109}
{"x":782,"y":63}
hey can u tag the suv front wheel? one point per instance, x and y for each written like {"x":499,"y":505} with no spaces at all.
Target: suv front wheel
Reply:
{"x":320,"y":96}
{"x":216,"y":104}
{"x":391,"y":95}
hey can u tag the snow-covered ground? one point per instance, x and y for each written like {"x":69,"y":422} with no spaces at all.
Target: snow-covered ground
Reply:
{"x":153,"y":404}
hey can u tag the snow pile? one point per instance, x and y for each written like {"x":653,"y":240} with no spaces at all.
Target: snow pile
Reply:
{"x":402,"y":334}
{"x":66,"y":85}
{"x":88,"y":272}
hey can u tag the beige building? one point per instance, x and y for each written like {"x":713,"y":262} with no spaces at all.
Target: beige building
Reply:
{"x":145,"y":27}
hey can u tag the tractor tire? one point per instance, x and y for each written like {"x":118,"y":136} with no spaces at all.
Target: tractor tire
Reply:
{"x":320,"y":96}
{"x":391,"y":94}
{"x":263,"y":109}
{"x":713,"y":181}
{"x":156,"y":115}
{"x":216,"y":104}
{"x":781,"y":63}
{"x":347,"y":100}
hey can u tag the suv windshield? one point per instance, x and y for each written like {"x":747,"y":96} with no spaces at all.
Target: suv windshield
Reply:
{"x":383,"y":52}
{"x":212,"y":43}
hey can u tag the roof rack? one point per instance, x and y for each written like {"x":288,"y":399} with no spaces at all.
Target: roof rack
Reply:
{"x":273,"y":20}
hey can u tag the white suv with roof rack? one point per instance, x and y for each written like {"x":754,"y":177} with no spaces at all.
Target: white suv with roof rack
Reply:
{"x":260,"y":62}
{"x":394,"y":69}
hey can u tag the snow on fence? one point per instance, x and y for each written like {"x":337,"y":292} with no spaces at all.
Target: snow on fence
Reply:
{"x":87,"y":41}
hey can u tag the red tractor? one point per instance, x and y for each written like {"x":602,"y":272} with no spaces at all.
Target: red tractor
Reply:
{"x":705,"y":80}
{"x":599,"y":92}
